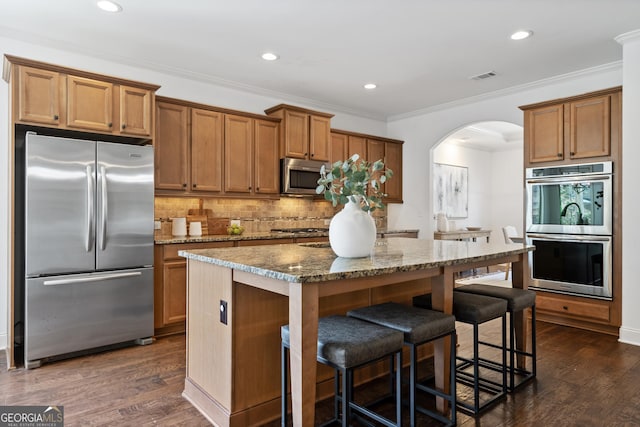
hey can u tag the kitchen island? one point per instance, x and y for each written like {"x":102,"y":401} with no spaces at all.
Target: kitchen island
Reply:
{"x":237,"y":299}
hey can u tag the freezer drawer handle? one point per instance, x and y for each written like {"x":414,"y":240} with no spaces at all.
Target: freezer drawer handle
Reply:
{"x":90,"y":214}
{"x":97,"y":278}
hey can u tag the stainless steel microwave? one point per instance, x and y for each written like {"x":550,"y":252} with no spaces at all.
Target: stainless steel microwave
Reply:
{"x":300,"y":177}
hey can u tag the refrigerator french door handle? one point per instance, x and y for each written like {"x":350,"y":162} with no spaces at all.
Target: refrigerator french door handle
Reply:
{"x":96,"y":278}
{"x":103,"y":190}
{"x":90,"y":214}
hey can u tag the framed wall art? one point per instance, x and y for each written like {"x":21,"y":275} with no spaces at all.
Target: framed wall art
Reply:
{"x":451,"y":190}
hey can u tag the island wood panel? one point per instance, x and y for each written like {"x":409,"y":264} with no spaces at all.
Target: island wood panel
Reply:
{"x":304,"y":309}
{"x":207,"y":334}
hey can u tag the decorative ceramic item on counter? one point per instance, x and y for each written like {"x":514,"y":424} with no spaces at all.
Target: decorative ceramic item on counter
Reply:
{"x":442,"y":224}
{"x":179,"y":227}
{"x":356,"y":184}
{"x":195,"y":228}
{"x":352,"y":231}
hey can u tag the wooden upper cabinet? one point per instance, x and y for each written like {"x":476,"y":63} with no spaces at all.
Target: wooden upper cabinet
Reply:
{"x":171,"y":146}
{"x":206,"y":150}
{"x":580,"y":127}
{"x":38,"y":98}
{"x":339,"y":143}
{"x":590,"y":123}
{"x":319,"y":138}
{"x":266,"y":157}
{"x":545,"y":133}
{"x":304,"y":134}
{"x":393,"y":161}
{"x":238,"y":154}
{"x":357,"y":145}
{"x":89,"y":104}
{"x":345,"y":144}
{"x":135,"y":111}
{"x":296,"y":136}
{"x":64,"y":98}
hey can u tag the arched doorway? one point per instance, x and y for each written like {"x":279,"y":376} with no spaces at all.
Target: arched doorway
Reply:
{"x":490,"y":155}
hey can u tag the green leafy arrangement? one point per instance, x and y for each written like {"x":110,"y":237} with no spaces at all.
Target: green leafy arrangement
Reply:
{"x":358,"y":181}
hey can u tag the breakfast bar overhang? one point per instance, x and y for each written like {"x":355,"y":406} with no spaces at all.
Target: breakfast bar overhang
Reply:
{"x":235,"y":308}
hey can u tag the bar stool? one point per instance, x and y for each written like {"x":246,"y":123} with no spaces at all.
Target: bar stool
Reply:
{"x":346,"y":343}
{"x":419,"y":326}
{"x":476,"y":310}
{"x":517,"y":300}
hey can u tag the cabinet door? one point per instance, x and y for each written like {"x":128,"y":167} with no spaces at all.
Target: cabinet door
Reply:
{"x":357,"y":145}
{"x":171,"y":145}
{"x":38,"y":96}
{"x":174,"y":292}
{"x":267,"y":180}
{"x":338,"y":147}
{"x":375,"y":151}
{"x":89,"y":104}
{"x":545,"y":133}
{"x":238,"y":154}
{"x":296,"y":135}
{"x":135,"y":111}
{"x":319,"y":138}
{"x":393,"y":161}
{"x":590,"y":134}
{"x":206,"y":150}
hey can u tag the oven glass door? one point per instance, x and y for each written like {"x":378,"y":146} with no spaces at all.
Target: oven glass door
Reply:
{"x":572,"y":264}
{"x":570,"y":205}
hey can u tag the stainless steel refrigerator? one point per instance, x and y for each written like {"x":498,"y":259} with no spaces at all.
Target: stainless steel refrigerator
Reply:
{"x":88,"y":245}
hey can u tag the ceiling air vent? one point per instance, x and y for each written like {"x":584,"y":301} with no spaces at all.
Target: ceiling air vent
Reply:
{"x":483,"y":76}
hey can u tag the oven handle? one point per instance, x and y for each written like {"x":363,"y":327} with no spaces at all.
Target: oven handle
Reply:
{"x":568,"y":179}
{"x":566,"y":237}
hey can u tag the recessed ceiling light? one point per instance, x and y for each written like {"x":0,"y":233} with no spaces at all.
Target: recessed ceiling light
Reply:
{"x":109,"y":6}
{"x":268,"y":56}
{"x":370,"y":86}
{"x":521,"y":35}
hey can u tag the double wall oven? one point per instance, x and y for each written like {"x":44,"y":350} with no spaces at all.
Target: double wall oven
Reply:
{"x":569,"y":218}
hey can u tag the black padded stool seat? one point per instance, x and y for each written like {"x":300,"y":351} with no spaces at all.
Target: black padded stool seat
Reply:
{"x":517,"y":300}
{"x":471,"y":308}
{"x":419,"y":326}
{"x":346,"y":343}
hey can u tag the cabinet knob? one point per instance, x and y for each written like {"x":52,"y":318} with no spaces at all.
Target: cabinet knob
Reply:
{"x":55,"y":117}
{"x":559,"y":154}
{"x":194,"y":185}
{"x":124,"y":126}
{"x":312,"y":154}
{"x":110,"y":124}
{"x":184,"y":185}
{"x":249,"y":187}
{"x":564,"y":307}
{"x":572,"y":153}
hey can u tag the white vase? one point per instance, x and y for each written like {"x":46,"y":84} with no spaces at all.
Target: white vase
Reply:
{"x":352,"y":232}
{"x":442,"y":224}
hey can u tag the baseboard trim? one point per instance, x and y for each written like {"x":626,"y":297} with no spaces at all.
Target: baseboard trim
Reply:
{"x":629,"y":336}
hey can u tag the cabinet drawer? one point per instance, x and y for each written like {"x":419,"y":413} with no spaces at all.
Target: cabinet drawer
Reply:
{"x":584,"y":309}
{"x":171,"y":251}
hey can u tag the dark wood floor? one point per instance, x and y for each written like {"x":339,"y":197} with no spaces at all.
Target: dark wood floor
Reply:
{"x":584,"y":379}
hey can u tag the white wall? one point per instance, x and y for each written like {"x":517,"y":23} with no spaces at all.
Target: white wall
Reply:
{"x":507,"y":196}
{"x":171,"y":86}
{"x":630,"y":330}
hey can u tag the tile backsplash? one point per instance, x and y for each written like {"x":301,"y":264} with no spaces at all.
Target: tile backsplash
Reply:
{"x":255,"y":215}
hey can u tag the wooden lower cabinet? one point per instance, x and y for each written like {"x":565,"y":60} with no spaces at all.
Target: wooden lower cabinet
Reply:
{"x":585,"y":313}
{"x":170,"y":285}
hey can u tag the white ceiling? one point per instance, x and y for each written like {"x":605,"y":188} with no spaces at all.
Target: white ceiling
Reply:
{"x":421,"y":53}
{"x":488,"y":136}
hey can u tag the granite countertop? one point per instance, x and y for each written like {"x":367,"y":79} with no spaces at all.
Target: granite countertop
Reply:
{"x":316,"y":262}
{"x":168,"y":239}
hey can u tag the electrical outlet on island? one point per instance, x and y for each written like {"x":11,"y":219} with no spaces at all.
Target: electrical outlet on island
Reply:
{"x":235,"y":222}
